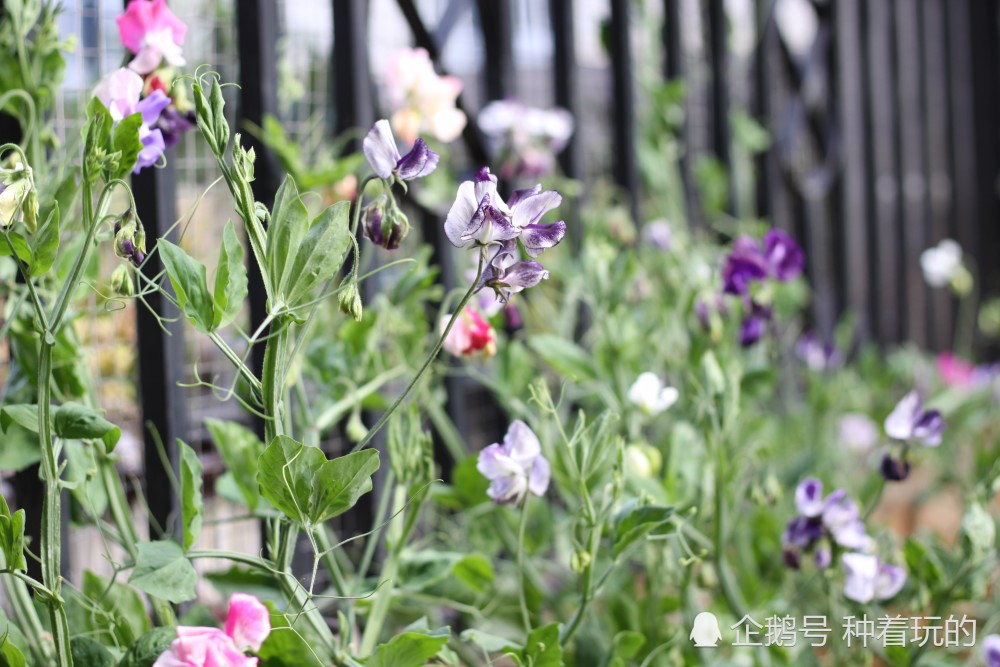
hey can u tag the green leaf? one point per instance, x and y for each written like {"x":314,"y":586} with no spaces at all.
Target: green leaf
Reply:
{"x":425,"y":568}
{"x":12,"y":537}
{"x":191,"y":493}
{"x":82,"y":472}
{"x":24,"y":415}
{"x":10,"y":655}
{"x":409,"y":649}
{"x":230,"y":279}
{"x":46,"y":243}
{"x":289,"y":225}
{"x":308,"y":488}
{"x":21,"y":247}
{"x":88,"y":652}
{"x":218,"y":105}
{"x":542,"y":648}
{"x":20,"y":449}
{"x":624,"y":647}
{"x":187,"y":276}
{"x":635,"y":522}
{"x":150,"y":646}
{"x":322,"y":252}
{"x":564,"y":356}
{"x":162,"y":570}
{"x":290,"y":647}
{"x":487,"y":642}
{"x":109,"y":606}
{"x":125,"y":140}
{"x":240,"y":449}
{"x":262,"y":585}
{"x":923,"y":565}
{"x":75,"y":421}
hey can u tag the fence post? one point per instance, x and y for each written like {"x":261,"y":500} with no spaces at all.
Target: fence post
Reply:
{"x":495,"y":20}
{"x":719,"y":52}
{"x":623,"y":147}
{"x":565,"y":82}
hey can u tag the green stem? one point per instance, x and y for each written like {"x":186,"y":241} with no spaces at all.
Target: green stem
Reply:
{"x":390,"y":570}
{"x":427,"y":362}
{"x":587,"y":592}
{"x":27,"y":619}
{"x":523,"y":593}
{"x":272,"y":385}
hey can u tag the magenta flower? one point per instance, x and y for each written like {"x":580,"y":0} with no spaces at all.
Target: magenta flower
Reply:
{"x":470,"y":334}
{"x":120,"y":92}
{"x":867,"y":578}
{"x":380,"y":148}
{"x":247,"y":626}
{"x":515,"y":466}
{"x":152,"y":33}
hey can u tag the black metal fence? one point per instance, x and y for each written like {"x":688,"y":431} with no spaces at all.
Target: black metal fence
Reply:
{"x":883,"y":119}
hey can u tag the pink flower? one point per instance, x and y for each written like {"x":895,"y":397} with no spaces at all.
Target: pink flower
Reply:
{"x":422,"y":101}
{"x":247,"y":626}
{"x":470,"y":334}
{"x":153,"y":33}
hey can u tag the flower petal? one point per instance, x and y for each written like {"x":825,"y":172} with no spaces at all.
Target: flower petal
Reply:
{"x":420,"y":161}
{"x":531,"y":208}
{"x":861,"y":571}
{"x":460,"y":221}
{"x":538,"y":478}
{"x":537,"y":238}
{"x":900,"y":422}
{"x":248,"y":622}
{"x":380,"y":149}
{"x":521,"y":444}
{"x":152,"y":106}
{"x":809,"y":497}
{"x":494,"y":463}
{"x":889,"y":581}
{"x":929,"y":428}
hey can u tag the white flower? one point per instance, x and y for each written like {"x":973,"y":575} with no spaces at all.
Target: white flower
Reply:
{"x":867,"y":578}
{"x":650,"y":394}
{"x":941,"y":263}
{"x":515,"y":466}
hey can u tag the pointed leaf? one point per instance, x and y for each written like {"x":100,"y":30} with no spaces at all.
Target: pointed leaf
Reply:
{"x":230,"y":279}
{"x":46,"y":243}
{"x":75,"y":421}
{"x":322,"y":252}
{"x":125,"y":140}
{"x":191,"y":493}
{"x":240,"y":449}
{"x":187,"y":276}
{"x":289,"y":224}
{"x":24,"y":415}
{"x":409,"y":649}
{"x":635,"y":522}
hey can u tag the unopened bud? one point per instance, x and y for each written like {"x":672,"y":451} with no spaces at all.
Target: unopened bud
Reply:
{"x":579,"y":561}
{"x":121,"y":281}
{"x":350,"y":301}
{"x":356,"y":429}
{"x":384,"y":224}
{"x":130,"y":238}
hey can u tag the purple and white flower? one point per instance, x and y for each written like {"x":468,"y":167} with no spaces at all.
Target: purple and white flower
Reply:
{"x":867,"y":578}
{"x":823,"y":519}
{"x":909,"y":422}
{"x":507,"y":274}
{"x":515,"y":466}
{"x":480,"y":216}
{"x":120,"y":92}
{"x":817,"y":354}
{"x":780,"y":258}
{"x":991,"y":650}
{"x":526,"y":139}
{"x":380,"y":149}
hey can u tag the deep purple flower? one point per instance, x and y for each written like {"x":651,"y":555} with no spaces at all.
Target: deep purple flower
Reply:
{"x":867,"y":578}
{"x":755,"y":324}
{"x":785,"y":258}
{"x":909,"y":422}
{"x":480,"y":216}
{"x":384,"y":224}
{"x":173,"y":123}
{"x":894,"y":469}
{"x":822,"y":520}
{"x":380,"y":149}
{"x":745,"y":264}
{"x":515,"y":466}
{"x":991,"y":650}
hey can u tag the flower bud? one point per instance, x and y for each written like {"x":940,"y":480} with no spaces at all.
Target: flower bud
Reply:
{"x":893,"y":469}
{"x":130,"y":238}
{"x":121,"y":281}
{"x":350,"y":301}
{"x":356,"y":429}
{"x":17,"y":193}
{"x":579,"y":561}
{"x":384,"y":224}
{"x":643,"y":461}
{"x":961,"y":281}
{"x":989,"y":318}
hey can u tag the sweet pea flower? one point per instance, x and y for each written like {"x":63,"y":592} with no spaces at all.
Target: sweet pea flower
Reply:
{"x":469,"y":335}
{"x":957,"y":372}
{"x":480,"y":216}
{"x":744,"y":265}
{"x":991,"y":650}
{"x":857,"y":432}
{"x":909,"y":422}
{"x":247,"y":626}
{"x":822,"y":520}
{"x":785,"y":258}
{"x":651,"y":395}
{"x":755,"y":324}
{"x":507,"y":274}
{"x":527,"y":139}
{"x":941,"y":263}
{"x":120,"y":92}
{"x":818,"y":355}
{"x":515,"y":466}
{"x":421,"y":100}
{"x":153,"y":33}
{"x":380,"y":149}
{"x":867,"y":578}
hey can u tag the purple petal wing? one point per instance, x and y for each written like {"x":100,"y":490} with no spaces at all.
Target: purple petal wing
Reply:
{"x":152,"y":106}
{"x":419,"y":162}
{"x":538,"y":478}
{"x":809,"y":497}
{"x":518,"y":195}
{"x":889,"y":581}
{"x":537,"y":238}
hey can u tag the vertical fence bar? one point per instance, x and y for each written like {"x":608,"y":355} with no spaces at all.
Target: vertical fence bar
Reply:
{"x":719,"y":60}
{"x":848,"y":36}
{"x":986,"y":95}
{"x":963,"y":134}
{"x":161,"y":357}
{"x":565,"y":83}
{"x":495,"y":21}
{"x":885,"y":169}
{"x":351,"y":85}
{"x":625,"y":169}
{"x":161,"y":350}
{"x":675,"y":69}
{"x":914,"y":188}
{"x":761,"y":100}
{"x":936,"y":127}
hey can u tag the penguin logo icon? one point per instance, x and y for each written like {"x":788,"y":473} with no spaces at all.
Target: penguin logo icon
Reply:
{"x":705,"y":632}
